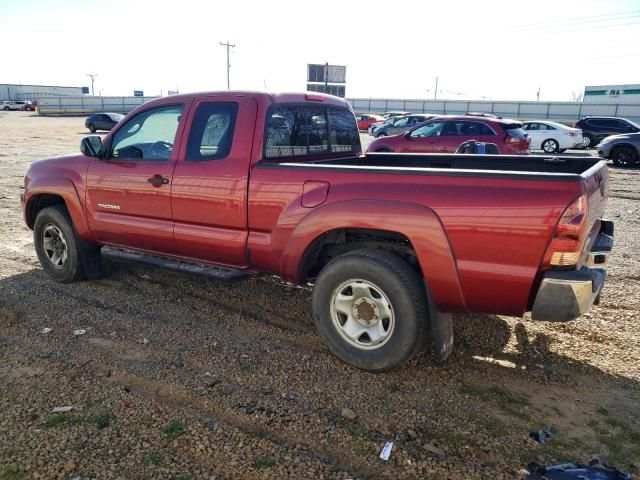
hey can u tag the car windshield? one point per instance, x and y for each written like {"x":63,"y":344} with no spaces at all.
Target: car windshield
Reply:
{"x":633,"y":123}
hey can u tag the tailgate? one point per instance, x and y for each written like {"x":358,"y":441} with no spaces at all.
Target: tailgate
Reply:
{"x":596,"y":188}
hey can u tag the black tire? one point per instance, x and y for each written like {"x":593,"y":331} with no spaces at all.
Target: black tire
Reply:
{"x":550,"y":146}
{"x":381,"y":134}
{"x":56,"y":216}
{"x":624,"y":156}
{"x":589,"y":141}
{"x":562,"y":150}
{"x":92,"y":128}
{"x":383,"y":149}
{"x":6,"y":109}
{"x":407,"y":301}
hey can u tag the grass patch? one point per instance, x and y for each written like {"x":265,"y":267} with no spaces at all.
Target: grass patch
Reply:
{"x":394,"y":388}
{"x":362,"y":450}
{"x":174,"y":429}
{"x":264,"y":462}
{"x":12,"y":474}
{"x":102,"y":421}
{"x":494,"y":426}
{"x":622,"y":441}
{"x":154,"y":458}
{"x":508,"y":402}
{"x":56,"y":421}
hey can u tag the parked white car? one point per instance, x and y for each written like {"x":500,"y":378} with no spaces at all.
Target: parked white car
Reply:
{"x":17,"y":105}
{"x":552,"y":137}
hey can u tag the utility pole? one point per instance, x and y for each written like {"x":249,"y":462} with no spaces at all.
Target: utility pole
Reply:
{"x":326,"y":77}
{"x":93,"y":77}
{"x":435,"y":92}
{"x":228,"y":45}
{"x":538,"y":95}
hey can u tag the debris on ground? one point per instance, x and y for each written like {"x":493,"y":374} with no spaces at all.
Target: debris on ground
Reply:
{"x":386,"y":451}
{"x":81,"y":331}
{"x":46,"y":330}
{"x":572,"y":471}
{"x":64,"y":409}
{"x":348,"y":414}
{"x":543,"y":435}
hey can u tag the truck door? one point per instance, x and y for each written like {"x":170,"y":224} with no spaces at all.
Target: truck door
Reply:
{"x":209,"y":190}
{"x":129,"y":191}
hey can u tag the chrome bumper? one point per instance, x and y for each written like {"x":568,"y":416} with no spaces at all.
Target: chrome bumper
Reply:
{"x":566,"y":294}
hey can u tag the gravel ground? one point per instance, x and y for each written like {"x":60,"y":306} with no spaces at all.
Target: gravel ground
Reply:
{"x":184,"y":377}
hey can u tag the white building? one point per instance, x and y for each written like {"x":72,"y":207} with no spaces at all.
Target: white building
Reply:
{"x":31,"y":92}
{"x":612,"y":94}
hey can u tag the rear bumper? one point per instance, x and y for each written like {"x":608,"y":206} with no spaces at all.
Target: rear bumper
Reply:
{"x":566,"y":294}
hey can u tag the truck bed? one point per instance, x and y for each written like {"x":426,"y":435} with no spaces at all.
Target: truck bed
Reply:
{"x":546,"y":167}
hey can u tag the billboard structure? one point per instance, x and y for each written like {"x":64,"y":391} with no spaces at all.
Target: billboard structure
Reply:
{"x":325,"y":78}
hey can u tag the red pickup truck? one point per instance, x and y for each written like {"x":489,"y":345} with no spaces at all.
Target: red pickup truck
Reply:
{"x":230,"y":182}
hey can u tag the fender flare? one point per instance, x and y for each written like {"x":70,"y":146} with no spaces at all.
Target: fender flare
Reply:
{"x":65,"y":188}
{"x":419,"y":224}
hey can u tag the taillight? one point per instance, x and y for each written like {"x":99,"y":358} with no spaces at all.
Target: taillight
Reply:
{"x":566,"y":246}
{"x":575,"y":125}
{"x":571,"y":134}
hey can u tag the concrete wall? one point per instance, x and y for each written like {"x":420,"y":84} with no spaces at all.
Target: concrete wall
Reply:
{"x":561,"y":111}
{"x":86,"y":105}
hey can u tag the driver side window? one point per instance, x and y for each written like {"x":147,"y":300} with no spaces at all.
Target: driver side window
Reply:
{"x":432,"y":129}
{"x":148,"y":136}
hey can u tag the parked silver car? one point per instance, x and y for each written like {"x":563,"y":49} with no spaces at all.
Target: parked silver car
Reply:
{"x":397,"y":125}
{"x":623,"y":149}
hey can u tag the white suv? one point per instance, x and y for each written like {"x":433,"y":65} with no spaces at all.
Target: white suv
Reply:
{"x":17,"y":105}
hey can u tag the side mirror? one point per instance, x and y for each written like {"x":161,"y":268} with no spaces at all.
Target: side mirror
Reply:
{"x":91,"y":146}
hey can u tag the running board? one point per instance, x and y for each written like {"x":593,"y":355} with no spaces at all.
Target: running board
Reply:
{"x":184,"y":266}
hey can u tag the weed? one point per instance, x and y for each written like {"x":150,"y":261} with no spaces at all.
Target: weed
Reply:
{"x":508,"y":402}
{"x":362,"y":450}
{"x":174,"y":429}
{"x":102,"y":421}
{"x":154,"y":458}
{"x":264,"y":462}
{"x":56,"y":421}
{"x":394,"y":388}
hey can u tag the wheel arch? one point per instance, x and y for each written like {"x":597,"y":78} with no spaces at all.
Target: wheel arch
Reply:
{"x":407,"y":229}
{"x":56,"y":191}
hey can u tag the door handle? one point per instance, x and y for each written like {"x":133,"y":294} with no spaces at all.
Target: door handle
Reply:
{"x":158,"y":180}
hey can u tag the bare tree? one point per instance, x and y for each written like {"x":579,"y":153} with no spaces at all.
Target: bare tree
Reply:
{"x":577,"y":96}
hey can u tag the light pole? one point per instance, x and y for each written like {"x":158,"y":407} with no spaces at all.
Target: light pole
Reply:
{"x":93,"y":77}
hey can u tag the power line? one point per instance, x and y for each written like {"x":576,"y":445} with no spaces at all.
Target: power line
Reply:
{"x":585,"y":19}
{"x":228,"y":45}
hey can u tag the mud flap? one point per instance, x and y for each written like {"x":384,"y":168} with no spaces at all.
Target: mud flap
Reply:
{"x":92,"y":262}
{"x":441,"y":330}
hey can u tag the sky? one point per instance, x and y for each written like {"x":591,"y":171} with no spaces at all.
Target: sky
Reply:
{"x":500,"y":50}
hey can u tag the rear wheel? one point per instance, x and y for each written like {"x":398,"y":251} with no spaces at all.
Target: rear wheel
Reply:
{"x":550,"y":146}
{"x":624,"y":156}
{"x":383,"y":149}
{"x":92,"y":128}
{"x":6,"y":109}
{"x":371,"y":309}
{"x":588,"y":141}
{"x":381,"y":134}
{"x":57,"y":246}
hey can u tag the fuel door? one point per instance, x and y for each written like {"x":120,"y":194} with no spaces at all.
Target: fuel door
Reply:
{"x":314,"y":193}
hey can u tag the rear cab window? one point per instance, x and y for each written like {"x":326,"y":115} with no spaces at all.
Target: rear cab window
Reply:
{"x":310,"y":130}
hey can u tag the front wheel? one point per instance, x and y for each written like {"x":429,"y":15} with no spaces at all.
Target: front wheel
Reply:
{"x":370,"y":307}
{"x":57,"y":245}
{"x":624,"y":156}
{"x":6,"y":109}
{"x":381,"y":134}
{"x":92,"y":128}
